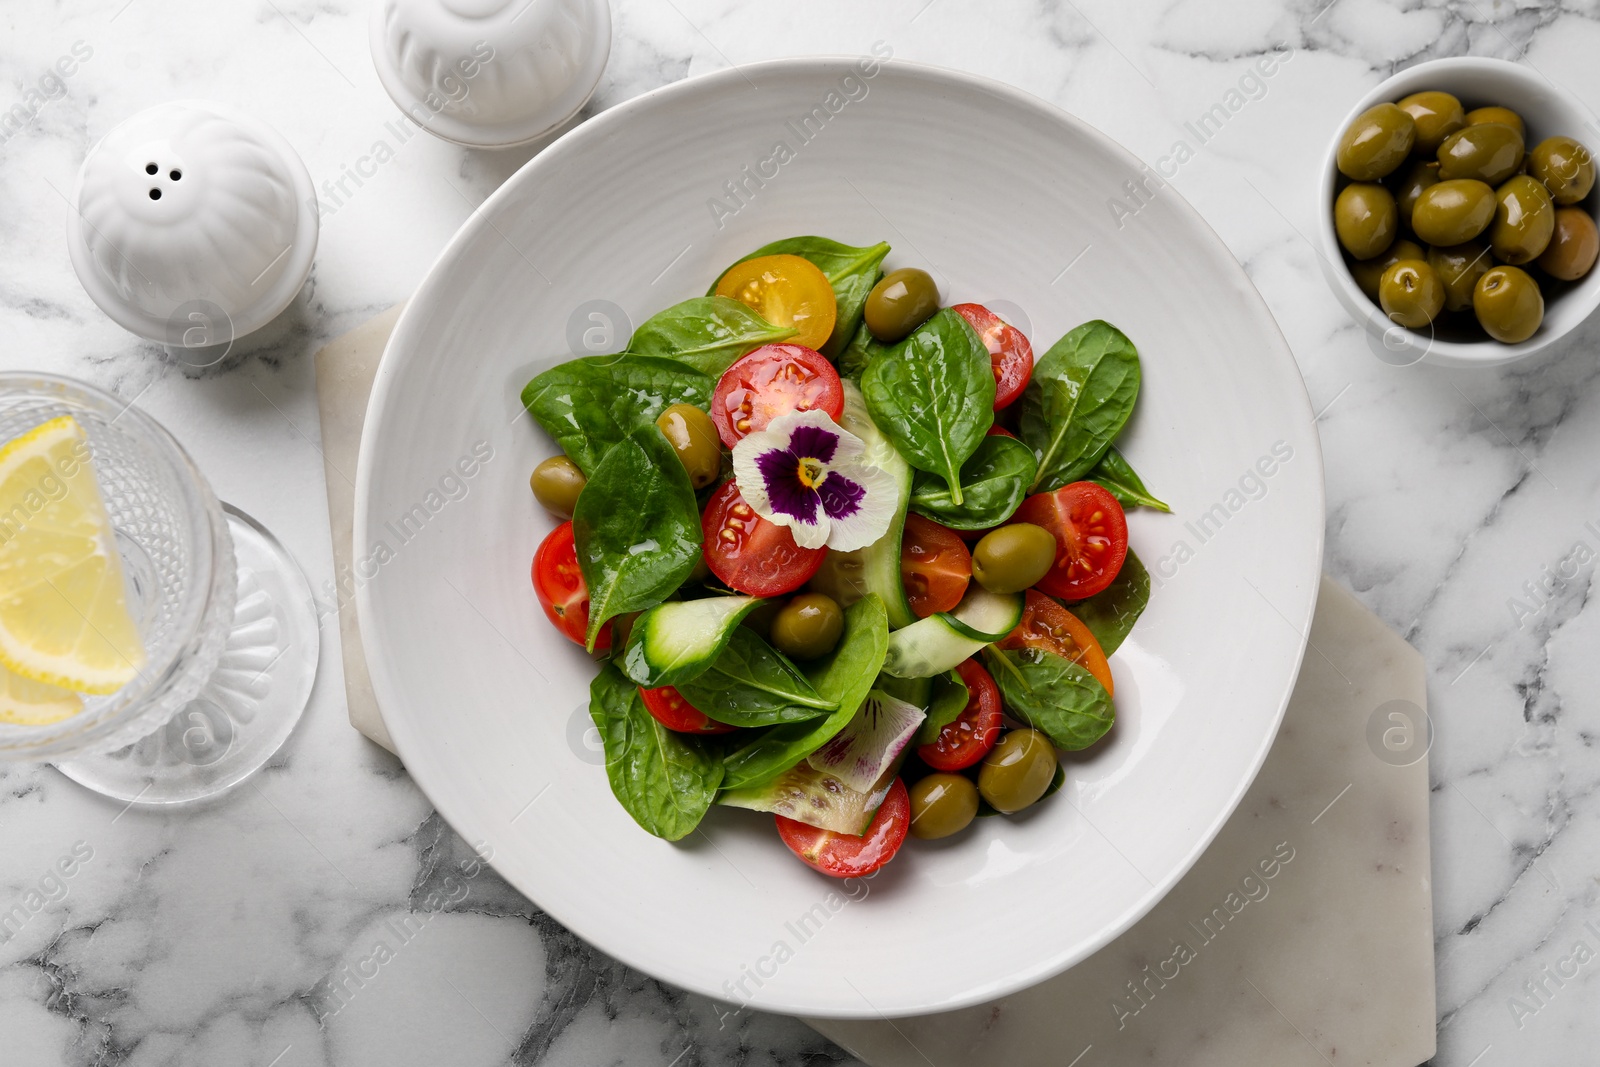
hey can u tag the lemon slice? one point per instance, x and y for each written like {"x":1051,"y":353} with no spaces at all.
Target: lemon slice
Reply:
{"x":63,"y":614}
{"x":26,"y":703}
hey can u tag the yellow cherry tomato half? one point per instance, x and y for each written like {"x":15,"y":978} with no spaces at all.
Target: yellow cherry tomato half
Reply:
{"x":786,"y":291}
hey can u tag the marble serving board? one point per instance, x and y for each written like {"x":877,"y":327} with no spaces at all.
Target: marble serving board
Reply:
{"x":1302,"y":936}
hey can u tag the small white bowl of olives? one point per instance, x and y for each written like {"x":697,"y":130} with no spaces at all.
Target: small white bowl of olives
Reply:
{"x":1459,"y":225}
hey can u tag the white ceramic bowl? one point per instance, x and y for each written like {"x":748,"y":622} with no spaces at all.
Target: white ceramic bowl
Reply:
{"x":1000,"y":196}
{"x":1548,"y":110}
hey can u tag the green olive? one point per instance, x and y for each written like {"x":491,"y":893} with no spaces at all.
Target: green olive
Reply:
{"x":941,"y":805}
{"x":1524,"y":219}
{"x":1369,"y":272}
{"x":1503,"y":115}
{"x":1414,"y":179}
{"x":1376,"y":143}
{"x":1565,"y":167}
{"x":1452,"y":212}
{"x":1573,"y":245}
{"x":1459,"y":267}
{"x":901,"y":301}
{"x":694,"y":437}
{"x":556,"y":484}
{"x":1437,"y":116}
{"x":1017,"y":771}
{"x":1490,"y":152}
{"x":1508,"y":304}
{"x":1366,"y":219}
{"x":1012,"y":558}
{"x":1411,"y":293}
{"x":807,"y":626}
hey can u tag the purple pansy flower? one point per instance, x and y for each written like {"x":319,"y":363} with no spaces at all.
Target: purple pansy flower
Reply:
{"x":804,"y":472}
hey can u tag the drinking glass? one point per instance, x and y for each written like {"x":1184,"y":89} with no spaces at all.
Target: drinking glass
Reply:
{"x":226,"y":616}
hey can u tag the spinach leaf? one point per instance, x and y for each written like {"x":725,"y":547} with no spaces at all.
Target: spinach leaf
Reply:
{"x":1111,"y":613}
{"x":950,"y":698}
{"x":636,"y":526}
{"x":751,"y":684}
{"x":706,"y":332}
{"x":1078,"y":400}
{"x":993,"y":483}
{"x":861,"y":351}
{"x":1052,"y":694}
{"x":590,"y":404}
{"x":665,"y":780}
{"x":845,"y":676}
{"x":932,"y":395}
{"x":851,"y":271}
{"x":1119,"y":478}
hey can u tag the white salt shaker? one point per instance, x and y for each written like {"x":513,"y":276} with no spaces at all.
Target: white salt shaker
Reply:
{"x":194,"y":224}
{"x":490,"y":73}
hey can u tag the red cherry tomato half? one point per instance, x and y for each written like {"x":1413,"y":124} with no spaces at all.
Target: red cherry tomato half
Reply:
{"x":771,"y":381}
{"x":561,"y":589}
{"x":935,"y":566}
{"x":968,"y":738}
{"x":750,"y":554}
{"x":846,"y":855}
{"x":667,"y":707}
{"x":1009,"y":351}
{"x":1091,"y":538}
{"x":1049,"y":626}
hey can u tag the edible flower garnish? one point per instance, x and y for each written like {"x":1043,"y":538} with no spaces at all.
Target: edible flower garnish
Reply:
{"x":804,"y":472}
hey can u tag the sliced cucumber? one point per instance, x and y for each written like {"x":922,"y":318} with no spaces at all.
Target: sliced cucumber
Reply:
{"x":815,"y":798}
{"x":941,"y":642}
{"x":674,"y":642}
{"x":985,"y":616}
{"x":928,"y":647}
{"x":880,"y":561}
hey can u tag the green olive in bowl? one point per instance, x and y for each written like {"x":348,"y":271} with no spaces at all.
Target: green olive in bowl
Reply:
{"x":1564,"y":166}
{"x":901,"y":301}
{"x":1436,"y":114}
{"x":1369,"y":272}
{"x":556,"y":484}
{"x":1503,"y":115}
{"x":1508,"y":304}
{"x":694,"y":437}
{"x":807,"y":627}
{"x":1524,"y":219}
{"x":1459,"y":267}
{"x":1411,"y":293}
{"x":1366,"y":219}
{"x":1489,"y":152}
{"x":1451,"y":212}
{"x":1012,"y":558}
{"x":1017,"y":771}
{"x":942,"y":804}
{"x":1376,"y":143}
{"x":1573,"y":245}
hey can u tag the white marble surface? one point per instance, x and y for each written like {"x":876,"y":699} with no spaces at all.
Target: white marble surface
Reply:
{"x":211,"y":937}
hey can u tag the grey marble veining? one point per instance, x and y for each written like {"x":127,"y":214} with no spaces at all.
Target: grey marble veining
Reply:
{"x":1463,"y":508}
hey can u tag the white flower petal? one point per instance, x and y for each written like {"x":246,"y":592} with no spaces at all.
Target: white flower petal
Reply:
{"x":871,"y":521}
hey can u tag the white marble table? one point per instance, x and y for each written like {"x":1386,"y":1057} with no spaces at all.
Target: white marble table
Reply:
{"x":215,"y":937}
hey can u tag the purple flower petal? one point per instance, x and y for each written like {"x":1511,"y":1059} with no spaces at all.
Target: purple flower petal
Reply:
{"x":840,"y":496}
{"x":813,"y":442}
{"x":780,"y":475}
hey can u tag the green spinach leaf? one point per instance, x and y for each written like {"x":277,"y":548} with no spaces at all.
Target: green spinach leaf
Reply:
{"x":1117,"y":475}
{"x":861,"y":351}
{"x":932,"y":395}
{"x":636,"y":526}
{"x":751,"y":684}
{"x":993,"y":483}
{"x":706,"y":332}
{"x":950,"y":698}
{"x":665,"y":780}
{"x":590,"y":404}
{"x":1078,"y":400}
{"x":851,"y":271}
{"x":844,"y":676}
{"x":1053,"y":695}
{"x":1111,"y":613}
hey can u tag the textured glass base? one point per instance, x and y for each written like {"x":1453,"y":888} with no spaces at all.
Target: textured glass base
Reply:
{"x":248,"y":707}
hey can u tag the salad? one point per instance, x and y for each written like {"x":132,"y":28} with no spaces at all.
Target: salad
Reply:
{"x":843,"y":554}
